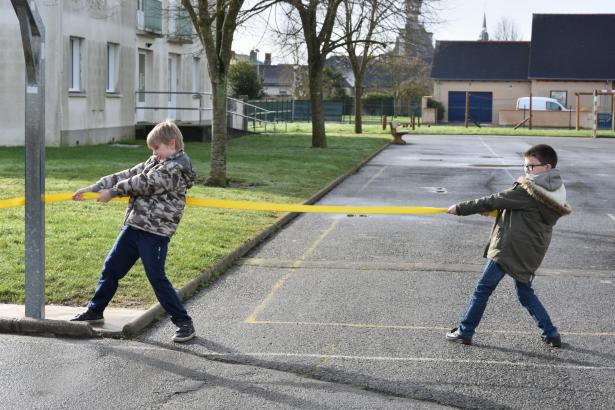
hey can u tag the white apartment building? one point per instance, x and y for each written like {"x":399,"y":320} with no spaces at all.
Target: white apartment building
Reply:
{"x":99,"y":55}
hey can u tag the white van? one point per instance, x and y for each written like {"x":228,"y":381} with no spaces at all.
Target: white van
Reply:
{"x":540,"y":104}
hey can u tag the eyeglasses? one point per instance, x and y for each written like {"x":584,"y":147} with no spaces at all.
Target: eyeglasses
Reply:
{"x":530,"y":167}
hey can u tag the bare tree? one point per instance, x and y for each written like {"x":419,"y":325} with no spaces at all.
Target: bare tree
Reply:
{"x":311,"y":23}
{"x":506,"y":30}
{"x":215,"y":23}
{"x":367,"y":27}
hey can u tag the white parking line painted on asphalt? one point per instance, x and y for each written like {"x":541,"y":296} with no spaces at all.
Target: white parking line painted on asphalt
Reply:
{"x":372,"y":179}
{"x":414,"y":359}
{"x":329,"y":357}
{"x":611,"y":216}
{"x":411,"y":327}
{"x":495,"y":154}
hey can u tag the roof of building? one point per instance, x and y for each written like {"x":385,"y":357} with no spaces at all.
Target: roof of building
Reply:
{"x":481,"y":60}
{"x":342,"y":65}
{"x":276,"y":75}
{"x":573,"y":47}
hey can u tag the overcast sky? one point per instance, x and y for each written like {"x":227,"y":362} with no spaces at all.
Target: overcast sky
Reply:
{"x":463,"y":19}
{"x":458,"y":20}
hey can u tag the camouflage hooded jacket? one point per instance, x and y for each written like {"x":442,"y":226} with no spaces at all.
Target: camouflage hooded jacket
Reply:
{"x":156,"y":191}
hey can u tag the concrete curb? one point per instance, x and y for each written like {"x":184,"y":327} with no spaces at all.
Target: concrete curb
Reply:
{"x":84,"y":330}
{"x":47,"y":326}
{"x":137,"y":325}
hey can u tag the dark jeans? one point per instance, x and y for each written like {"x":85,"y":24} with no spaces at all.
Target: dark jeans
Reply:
{"x":130,"y":245}
{"x":492,"y":275}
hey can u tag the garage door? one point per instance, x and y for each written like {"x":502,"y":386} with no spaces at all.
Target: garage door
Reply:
{"x":481,"y":104}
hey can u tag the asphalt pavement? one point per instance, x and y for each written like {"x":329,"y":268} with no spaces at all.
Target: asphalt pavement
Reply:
{"x":350,"y":311}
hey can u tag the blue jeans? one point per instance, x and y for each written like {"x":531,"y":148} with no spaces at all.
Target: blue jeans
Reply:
{"x":130,"y":245}
{"x":492,"y":275}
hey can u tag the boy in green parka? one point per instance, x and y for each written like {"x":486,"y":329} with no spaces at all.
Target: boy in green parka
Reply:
{"x":519,"y":240}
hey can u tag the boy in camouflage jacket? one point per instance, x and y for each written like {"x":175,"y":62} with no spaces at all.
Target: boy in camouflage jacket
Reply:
{"x":157,"y":196}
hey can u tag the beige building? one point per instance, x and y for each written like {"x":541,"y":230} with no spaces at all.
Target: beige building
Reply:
{"x":565,"y":56}
{"x":98,"y":55}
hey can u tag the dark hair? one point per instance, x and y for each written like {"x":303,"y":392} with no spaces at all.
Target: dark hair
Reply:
{"x":543,"y":153}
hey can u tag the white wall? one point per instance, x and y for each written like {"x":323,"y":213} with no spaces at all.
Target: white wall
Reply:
{"x":87,"y":117}
{"x":12,"y":94}
{"x":92,"y":115}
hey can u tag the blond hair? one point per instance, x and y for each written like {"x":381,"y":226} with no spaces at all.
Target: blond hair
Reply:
{"x":164,"y":133}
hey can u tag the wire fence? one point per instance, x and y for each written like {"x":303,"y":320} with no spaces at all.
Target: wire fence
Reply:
{"x":342,"y":111}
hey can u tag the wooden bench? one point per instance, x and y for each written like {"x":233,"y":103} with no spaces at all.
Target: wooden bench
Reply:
{"x":397,"y":136}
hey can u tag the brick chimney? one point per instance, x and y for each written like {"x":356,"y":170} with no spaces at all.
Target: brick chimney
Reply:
{"x":267,"y":58}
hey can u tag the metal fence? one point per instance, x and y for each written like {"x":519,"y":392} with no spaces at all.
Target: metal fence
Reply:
{"x":342,"y":111}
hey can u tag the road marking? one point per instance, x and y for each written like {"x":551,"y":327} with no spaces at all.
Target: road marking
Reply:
{"x":495,"y":154}
{"x":276,"y":286}
{"x":406,"y":267}
{"x":372,"y":179}
{"x":329,"y":357}
{"x":414,"y":359}
{"x":411,"y":327}
{"x":611,"y":216}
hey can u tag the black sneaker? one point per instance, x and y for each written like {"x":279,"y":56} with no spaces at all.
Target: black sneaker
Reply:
{"x":184,"y":332}
{"x":553,"y":341}
{"x":89,"y":316}
{"x":455,"y":336}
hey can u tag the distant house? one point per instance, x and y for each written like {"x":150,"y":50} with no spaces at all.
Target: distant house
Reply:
{"x":495,"y":72}
{"x":278,"y":80}
{"x":568,"y":53}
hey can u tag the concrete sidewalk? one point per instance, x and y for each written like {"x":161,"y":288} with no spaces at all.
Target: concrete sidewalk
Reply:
{"x":57,"y":321}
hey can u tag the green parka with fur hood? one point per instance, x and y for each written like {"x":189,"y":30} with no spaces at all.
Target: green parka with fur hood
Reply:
{"x":526,"y":214}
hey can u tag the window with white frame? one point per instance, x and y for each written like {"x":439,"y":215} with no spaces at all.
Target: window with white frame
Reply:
{"x":74,"y":64}
{"x":196,"y":69}
{"x":140,"y":15}
{"x":141,"y":77}
{"x":112,"y":67}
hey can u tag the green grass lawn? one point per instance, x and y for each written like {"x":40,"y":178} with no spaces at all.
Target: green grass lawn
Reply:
{"x":486,"y":130}
{"x":276,"y":168}
{"x":446,"y":129}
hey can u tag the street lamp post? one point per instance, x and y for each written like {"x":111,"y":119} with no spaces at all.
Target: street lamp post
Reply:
{"x":33,"y":40}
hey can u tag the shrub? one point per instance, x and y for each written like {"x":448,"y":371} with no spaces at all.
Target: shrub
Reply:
{"x":377,"y":103}
{"x":431,"y":103}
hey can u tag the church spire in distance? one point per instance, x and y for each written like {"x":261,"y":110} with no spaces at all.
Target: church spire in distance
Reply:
{"x":484,"y":35}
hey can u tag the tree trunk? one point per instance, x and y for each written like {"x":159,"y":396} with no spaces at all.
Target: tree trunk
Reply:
{"x":217,"y":162}
{"x":319,"y":138}
{"x":358,"y":105}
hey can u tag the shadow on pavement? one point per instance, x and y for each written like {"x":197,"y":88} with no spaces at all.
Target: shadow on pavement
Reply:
{"x":398,"y":389}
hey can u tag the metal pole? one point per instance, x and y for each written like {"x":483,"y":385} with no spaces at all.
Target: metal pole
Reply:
{"x":578,"y":108}
{"x":33,"y":40}
{"x":595,"y":102}
{"x":530,"y":123}
{"x":467,"y":109}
